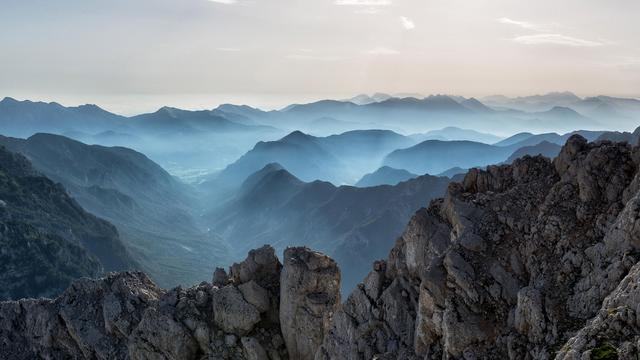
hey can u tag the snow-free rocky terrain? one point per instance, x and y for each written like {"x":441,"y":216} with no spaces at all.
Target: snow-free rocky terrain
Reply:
{"x":533,"y":260}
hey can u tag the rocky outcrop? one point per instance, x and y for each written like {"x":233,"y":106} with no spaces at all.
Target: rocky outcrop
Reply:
{"x":126,"y":316}
{"x":615,"y":331}
{"x":511,"y":264}
{"x":309,"y":295}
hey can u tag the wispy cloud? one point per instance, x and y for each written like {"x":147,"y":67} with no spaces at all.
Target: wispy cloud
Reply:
{"x":555,"y":39}
{"x":309,"y":57}
{"x":544,"y":36}
{"x":407,"y":23}
{"x":363,"y":2}
{"x":228,"y":49}
{"x":226,"y":2}
{"x":382,"y":51}
{"x":369,"y":11}
{"x":523,"y":24}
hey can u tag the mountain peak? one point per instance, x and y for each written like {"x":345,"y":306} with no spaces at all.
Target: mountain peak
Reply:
{"x":296,"y":136}
{"x":9,"y":100}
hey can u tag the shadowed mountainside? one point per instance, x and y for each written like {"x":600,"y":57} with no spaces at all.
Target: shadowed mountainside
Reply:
{"x":385,"y":176}
{"x":151,"y":209}
{"x":340,"y":159}
{"x":46,"y":239}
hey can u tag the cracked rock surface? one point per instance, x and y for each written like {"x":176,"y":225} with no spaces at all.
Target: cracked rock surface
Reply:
{"x":533,"y":260}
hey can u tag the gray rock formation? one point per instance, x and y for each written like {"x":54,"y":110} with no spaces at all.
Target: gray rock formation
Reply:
{"x":309,"y":295}
{"x":514,"y":262}
{"x":126,"y":316}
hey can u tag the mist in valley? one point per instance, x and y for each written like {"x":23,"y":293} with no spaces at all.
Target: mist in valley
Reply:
{"x":189,"y":190}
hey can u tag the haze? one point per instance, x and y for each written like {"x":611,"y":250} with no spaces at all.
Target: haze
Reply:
{"x":134,"y":56}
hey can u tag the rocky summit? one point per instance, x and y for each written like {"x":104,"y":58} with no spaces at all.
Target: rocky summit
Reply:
{"x":538,"y":259}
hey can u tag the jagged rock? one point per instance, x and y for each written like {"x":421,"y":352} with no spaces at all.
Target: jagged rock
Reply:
{"x":256,"y":295}
{"x":616,"y":327}
{"x":529,"y":314}
{"x":261,"y":265}
{"x":126,"y":316}
{"x":253,"y":350}
{"x":91,"y":318}
{"x":232,"y":312}
{"x":509,"y":264}
{"x":309,"y":295}
{"x":220,"y":277}
{"x":159,"y":336}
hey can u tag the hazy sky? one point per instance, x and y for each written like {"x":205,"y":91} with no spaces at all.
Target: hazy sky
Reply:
{"x":134,"y":55}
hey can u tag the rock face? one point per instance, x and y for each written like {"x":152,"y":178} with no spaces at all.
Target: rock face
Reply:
{"x":126,"y":316}
{"x":513,"y":263}
{"x":533,"y":260}
{"x":309,"y":295}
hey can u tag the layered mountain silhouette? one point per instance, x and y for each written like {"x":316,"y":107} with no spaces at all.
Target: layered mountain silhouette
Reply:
{"x":632,"y":138}
{"x":455,"y":133}
{"x":275,"y":207}
{"x":528,"y":139}
{"x":533,"y":103}
{"x":611,"y":111}
{"x":436,"y":156}
{"x":178,"y":139}
{"x":385,"y":176}
{"x":46,"y":238}
{"x":545,"y":148}
{"x":25,"y":118}
{"x":339,"y":159}
{"x":152,"y":210}
{"x":410,"y":114}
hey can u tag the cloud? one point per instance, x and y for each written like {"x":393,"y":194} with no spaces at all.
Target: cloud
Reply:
{"x":307,"y":57}
{"x":555,"y":39}
{"x":228,"y":49}
{"x":369,"y":11}
{"x":363,"y":2}
{"x":382,"y":51}
{"x":226,"y":2}
{"x":407,"y":23}
{"x":522,"y":24}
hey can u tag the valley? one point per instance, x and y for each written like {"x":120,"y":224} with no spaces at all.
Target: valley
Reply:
{"x":337,"y":193}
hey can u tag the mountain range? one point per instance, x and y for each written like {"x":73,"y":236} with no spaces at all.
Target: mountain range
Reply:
{"x":193,"y":143}
{"x":537,"y":259}
{"x":153,"y":211}
{"x":340,"y":159}
{"x":385,"y":176}
{"x":275,"y":207}
{"x":437,"y":156}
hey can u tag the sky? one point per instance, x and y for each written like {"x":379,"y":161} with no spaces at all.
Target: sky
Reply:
{"x":136,"y":55}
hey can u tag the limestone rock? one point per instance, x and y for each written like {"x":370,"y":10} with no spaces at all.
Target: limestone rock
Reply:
{"x":261,"y":265}
{"x":232,"y":313}
{"x":256,"y":295}
{"x":508,"y":265}
{"x":309,"y":295}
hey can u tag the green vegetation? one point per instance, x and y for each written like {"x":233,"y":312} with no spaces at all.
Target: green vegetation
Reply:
{"x":604,"y":352}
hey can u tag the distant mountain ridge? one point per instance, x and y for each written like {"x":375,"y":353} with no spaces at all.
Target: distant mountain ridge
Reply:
{"x":385,"y":176}
{"x":340,"y":220}
{"x":151,"y":209}
{"x":339,"y":158}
